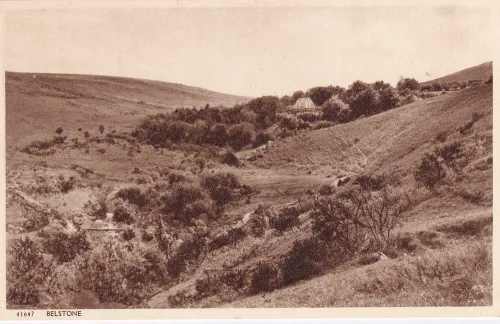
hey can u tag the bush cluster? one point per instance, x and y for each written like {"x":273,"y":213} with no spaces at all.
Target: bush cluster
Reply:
{"x":133,"y":196}
{"x":370,"y":182}
{"x":303,"y":260}
{"x":65,"y":247}
{"x":187,"y":202}
{"x":123,"y":215}
{"x":220,"y":187}
{"x":40,"y":147}
{"x":115,"y":273}
{"x":287,"y":218}
{"x":429,"y":172}
{"x":265,"y":277}
{"x":28,"y":269}
{"x":235,"y":127}
{"x":189,"y":251}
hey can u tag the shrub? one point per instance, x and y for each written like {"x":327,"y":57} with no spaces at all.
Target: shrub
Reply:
{"x":323,"y":124}
{"x":490,"y":80}
{"x":303,"y":260}
{"x":407,"y":83}
{"x":230,"y":159}
{"x":364,"y":103}
{"x":370,"y":258}
{"x":407,"y":242}
{"x":348,"y":217}
{"x":309,"y":117}
{"x":258,"y":220}
{"x":288,"y":122}
{"x":240,"y":135}
{"x":469,"y":227}
{"x":331,"y":111}
{"x":186,"y":203}
{"x":175,"y":177}
{"x":21,"y":294}
{"x":475,"y":197}
{"x":165,"y":241}
{"x":231,"y":236}
{"x":28,"y":271}
{"x":217,"y":135}
{"x":133,"y":196}
{"x":371,"y":182}
{"x":320,"y":95}
{"x":220,"y":187}
{"x":66,"y":185}
{"x":86,"y":134}
{"x":116,"y":273}
{"x":100,"y":209}
{"x":101,"y":129}
{"x":261,"y":139}
{"x":234,"y":279}
{"x":303,"y":125}
{"x":65,"y":247}
{"x":207,"y":286}
{"x":429,"y":172}
{"x":265,"y":108}
{"x":200,"y":162}
{"x":441,"y":137}
{"x":264,"y":278}
{"x":188,"y":251}
{"x":147,"y":237}
{"x":245,"y":190}
{"x":465,"y":128}
{"x":450,"y":152}
{"x":59,"y":139}
{"x":128,"y":234}
{"x":122,"y":215}
{"x":436,"y":86}
{"x":181,"y":299}
{"x":36,"y":221}
{"x":59,"y":130}
{"x":41,"y":147}
{"x":287,"y":218}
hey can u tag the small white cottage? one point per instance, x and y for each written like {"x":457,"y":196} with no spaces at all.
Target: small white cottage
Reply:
{"x":304,"y":103}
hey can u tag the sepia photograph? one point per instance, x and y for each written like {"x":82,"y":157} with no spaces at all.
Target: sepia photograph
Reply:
{"x":248,"y":157}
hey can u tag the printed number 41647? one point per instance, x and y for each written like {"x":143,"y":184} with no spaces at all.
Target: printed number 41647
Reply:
{"x":25,"y":314}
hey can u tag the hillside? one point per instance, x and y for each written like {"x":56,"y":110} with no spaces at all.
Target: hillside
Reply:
{"x":118,"y":222}
{"x":391,"y":143}
{"x":388,"y":142}
{"x":86,"y":101}
{"x":478,"y":72}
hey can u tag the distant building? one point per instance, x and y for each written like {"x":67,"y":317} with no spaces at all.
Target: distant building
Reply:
{"x":304,"y":103}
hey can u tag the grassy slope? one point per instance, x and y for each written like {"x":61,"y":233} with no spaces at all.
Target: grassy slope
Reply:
{"x":73,"y":101}
{"x":479,"y":72}
{"x":392,"y":142}
{"x":389,"y":142}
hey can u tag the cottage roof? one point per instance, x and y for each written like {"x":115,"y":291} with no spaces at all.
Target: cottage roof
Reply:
{"x":305,"y":99}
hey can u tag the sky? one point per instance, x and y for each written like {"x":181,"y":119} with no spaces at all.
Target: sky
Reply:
{"x":251,"y":51}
